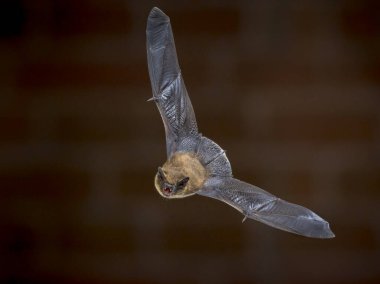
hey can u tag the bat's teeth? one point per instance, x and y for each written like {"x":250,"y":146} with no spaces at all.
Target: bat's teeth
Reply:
{"x":167,"y":190}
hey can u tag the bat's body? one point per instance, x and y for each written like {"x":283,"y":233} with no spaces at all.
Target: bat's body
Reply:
{"x":196,"y":164}
{"x":179,"y":166}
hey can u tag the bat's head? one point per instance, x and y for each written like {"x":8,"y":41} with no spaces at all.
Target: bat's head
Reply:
{"x":172,"y":184}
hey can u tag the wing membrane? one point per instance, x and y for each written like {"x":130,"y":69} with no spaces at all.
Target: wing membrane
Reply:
{"x":257,"y":204}
{"x":169,"y":91}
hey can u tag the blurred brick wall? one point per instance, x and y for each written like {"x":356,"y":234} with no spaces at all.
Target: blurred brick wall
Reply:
{"x":290,"y":89}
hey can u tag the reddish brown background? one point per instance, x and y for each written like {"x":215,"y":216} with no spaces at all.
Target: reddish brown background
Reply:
{"x":289,"y":88}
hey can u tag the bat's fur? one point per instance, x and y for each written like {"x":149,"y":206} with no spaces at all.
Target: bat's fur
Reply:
{"x":196,"y":164}
{"x":179,"y":166}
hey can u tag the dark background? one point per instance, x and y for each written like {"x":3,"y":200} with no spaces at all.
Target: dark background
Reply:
{"x":289,"y":88}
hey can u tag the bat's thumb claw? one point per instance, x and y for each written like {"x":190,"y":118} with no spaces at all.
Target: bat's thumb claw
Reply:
{"x":152,"y":99}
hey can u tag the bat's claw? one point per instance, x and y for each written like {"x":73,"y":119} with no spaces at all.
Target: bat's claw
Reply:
{"x":152,"y":99}
{"x":245,"y":218}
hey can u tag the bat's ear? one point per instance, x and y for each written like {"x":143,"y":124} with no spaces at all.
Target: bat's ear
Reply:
{"x":183,"y":182}
{"x":161,"y":173}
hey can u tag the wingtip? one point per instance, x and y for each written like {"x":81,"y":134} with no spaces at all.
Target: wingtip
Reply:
{"x":156,"y":14}
{"x":329,"y":234}
{"x":324,"y":233}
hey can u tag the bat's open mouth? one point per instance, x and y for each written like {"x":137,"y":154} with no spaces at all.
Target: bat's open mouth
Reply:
{"x":167,"y":191}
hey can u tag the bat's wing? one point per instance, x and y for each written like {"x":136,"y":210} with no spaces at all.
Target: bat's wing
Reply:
{"x":169,"y":91}
{"x":257,"y":204}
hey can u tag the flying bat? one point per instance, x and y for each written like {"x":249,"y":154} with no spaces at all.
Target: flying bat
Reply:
{"x":196,"y":164}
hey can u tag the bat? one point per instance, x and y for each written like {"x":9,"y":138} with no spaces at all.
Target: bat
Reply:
{"x":196,"y":164}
